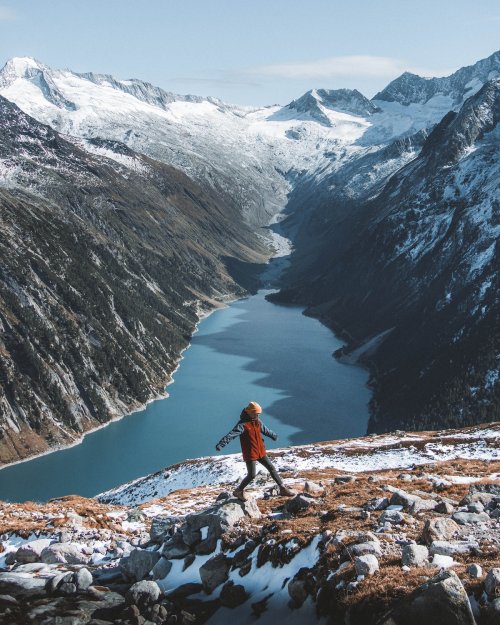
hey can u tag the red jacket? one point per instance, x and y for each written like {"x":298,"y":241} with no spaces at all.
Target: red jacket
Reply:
{"x":250,"y":432}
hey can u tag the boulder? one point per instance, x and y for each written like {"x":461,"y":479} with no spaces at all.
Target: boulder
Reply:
{"x":83,"y":579}
{"x":493,"y":612}
{"x":440,"y":528}
{"x":395,"y":517}
{"x":299,"y":503}
{"x":377,"y":503}
{"x":21,"y":584}
{"x":366,"y":565}
{"x":297,"y":591}
{"x":471,"y":518}
{"x":415,"y":555}
{"x":453,"y":547}
{"x":161,"y":528}
{"x":492,"y":582}
{"x":63,"y":553}
{"x":344,"y":479}
{"x":493,"y":489}
{"x":443,"y":507}
{"x":314,"y":489}
{"x":442,"y":562}
{"x":31,"y":551}
{"x":175,"y":547}
{"x":441,"y":600}
{"x":214,"y":572}
{"x":475,"y":570}
{"x":232,"y":595}
{"x":139,"y":563}
{"x":202,"y":530}
{"x":143,"y":592}
{"x":362,"y":549}
{"x":161,"y":569}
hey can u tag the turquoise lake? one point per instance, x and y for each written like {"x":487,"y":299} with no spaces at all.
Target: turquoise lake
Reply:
{"x":251,"y":350}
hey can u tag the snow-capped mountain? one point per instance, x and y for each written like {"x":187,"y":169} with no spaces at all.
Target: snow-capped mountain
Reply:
{"x":382,"y":196}
{"x":411,"y":89}
{"x":416,"y":264}
{"x":108,"y":257}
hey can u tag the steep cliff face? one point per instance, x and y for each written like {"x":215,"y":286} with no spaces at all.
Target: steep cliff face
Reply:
{"x":421,"y":269}
{"x":107,"y":257}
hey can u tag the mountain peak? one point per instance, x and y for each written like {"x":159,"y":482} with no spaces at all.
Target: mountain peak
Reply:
{"x":19,"y":67}
{"x":315,"y":102}
{"x":411,"y":88}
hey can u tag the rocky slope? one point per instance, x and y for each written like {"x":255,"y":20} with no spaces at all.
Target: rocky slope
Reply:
{"x":108,"y":258}
{"x":410,"y":533}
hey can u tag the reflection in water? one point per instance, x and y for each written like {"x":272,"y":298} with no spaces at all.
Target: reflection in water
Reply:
{"x":252,"y":350}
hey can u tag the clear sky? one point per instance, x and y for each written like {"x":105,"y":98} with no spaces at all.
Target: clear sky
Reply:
{"x":252,"y":51}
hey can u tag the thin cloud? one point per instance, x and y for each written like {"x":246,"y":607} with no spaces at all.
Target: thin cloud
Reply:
{"x":6,"y":14}
{"x":363,"y":66}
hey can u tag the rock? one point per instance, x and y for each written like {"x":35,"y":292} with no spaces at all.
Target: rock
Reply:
{"x":67,"y":588}
{"x":439,"y":528}
{"x":394,"y":517}
{"x":377,"y":503}
{"x":161,"y":528}
{"x":214,"y":572}
{"x":143,"y":592}
{"x":475,"y":570}
{"x":492,"y":582}
{"x":31,"y":551}
{"x":453,"y":547}
{"x":8,"y":600}
{"x":161,"y":569}
{"x":471,"y":518}
{"x":475,"y":507}
{"x":484,"y":499}
{"x":493,"y":612}
{"x":314,"y":489}
{"x":442,"y":600}
{"x":224,"y":495}
{"x":297,"y":591}
{"x":493,"y":489}
{"x":184,"y":590}
{"x":415,"y":555}
{"x":443,"y":507}
{"x":298,"y":503}
{"x":251,"y":509}
{"x":412,"y":503}
{"x":344,"y":479}
{"x":22,"y":584}
{"x":175,"y":547}
{"x":139,"y":563}
{"x":83,"y":579}
{"x":53,"y":583}
{"x":362,"y":549}
{"x":63,"y":553}
{"x":233,"y":595}
{"x":216,"y":519}
{"x":442,"y":562}
{"x":366,"y":565}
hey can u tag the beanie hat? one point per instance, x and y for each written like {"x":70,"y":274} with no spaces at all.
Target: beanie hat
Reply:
{"x":253,"y":408}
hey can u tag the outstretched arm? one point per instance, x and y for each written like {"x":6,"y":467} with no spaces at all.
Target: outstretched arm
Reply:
{"x":238,"y":429}
{"x":267,"y":432}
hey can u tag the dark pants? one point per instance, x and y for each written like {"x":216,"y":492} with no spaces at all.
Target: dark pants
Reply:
{"x":252,"y":471}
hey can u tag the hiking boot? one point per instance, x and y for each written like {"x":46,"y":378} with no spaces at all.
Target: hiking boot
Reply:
{"x":286,"y":492}
{"x":239,"y":494}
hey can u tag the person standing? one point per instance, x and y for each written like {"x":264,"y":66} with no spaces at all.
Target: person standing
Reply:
{"x":250,"y":429}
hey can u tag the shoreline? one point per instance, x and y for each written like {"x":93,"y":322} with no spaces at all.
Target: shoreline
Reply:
{"x":201,"y":317}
